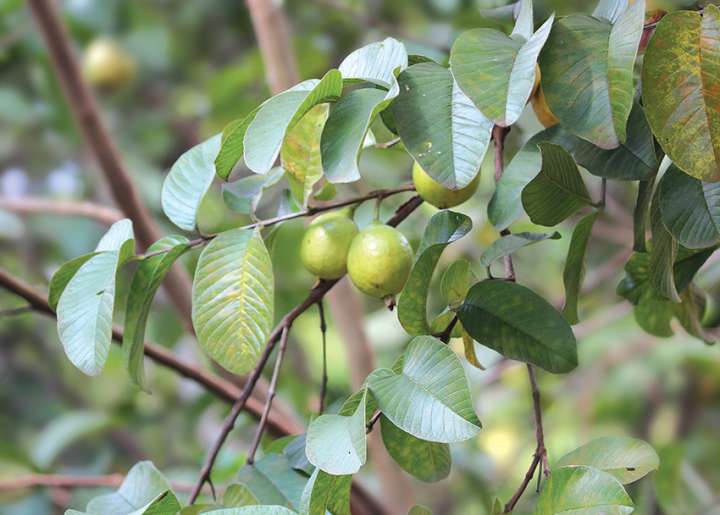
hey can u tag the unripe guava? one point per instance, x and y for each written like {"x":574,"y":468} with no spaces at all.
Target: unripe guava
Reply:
{"x":107,"y":65}
{"x":325,"y":245}
{"x":542,"y":110}
{"x":379,"y":260}
{"x":438,"y":195}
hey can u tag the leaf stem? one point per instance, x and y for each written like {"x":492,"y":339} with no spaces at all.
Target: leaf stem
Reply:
{"x":324,"y":380}
{"x":445,"y":335}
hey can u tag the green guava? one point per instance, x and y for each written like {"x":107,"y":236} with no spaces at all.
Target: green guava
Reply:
{"x":438,"y":195}
{"x":325,"y":245}
{"x":379,"y":260}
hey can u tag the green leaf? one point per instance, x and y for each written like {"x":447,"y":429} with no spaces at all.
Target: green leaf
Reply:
{"x":232,"y":145}
{"x":188,"y":181}
{"x":628,"y":459}
{"x":558,"y":191}
{"x":583,"y":490}
{"x":662,"y":256}
{"x":376,"y":63}
{"x":254,"y":510}
{"x":271,"y":480}
{"x":419,"y":509}
{"x":233,"y":299}
{"x":243,"y":195}
{"x":326,"y":493}
{"x":448,"y":137}
{"x":337,"y":444}
{"x":611,"y":10}
{"x":145,"y":283}
{"x":237,"y":495}
{"x":510,"y":243}
{"x":64,"y":431}
{"x":641,"y":213}
{"x":519,"y":324}
{"x":497,"y":72}
{"x":300,"y":154}
{"x":690,"y":209}
{"x":679,"y":487}
{"x":427,"y":395}
{"x":345,"y":130}
{"x":144,"y":490}
{"x":265,"y":134}
{"x":679,"y":95}
{"x":427,"y":461}
{"x":85,"y":308}
{"x":444,"y":228}
{"x":575,"y":266}
{"x":497,"y":507}
{"x":456,"y":282}
{"x":587,"y":73}
{"x":63,"y":275}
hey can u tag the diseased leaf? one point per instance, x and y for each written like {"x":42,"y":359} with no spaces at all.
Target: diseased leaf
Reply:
{"x":519,"y":324}
{"x":575,"y":266}
{"x":583,"y":490}
{"x":276,"y":117}
{"x":145,"y":283}
{"x":506,"y":245}
{"x":188,"y":182}
{"x":337,"y":444}
{"x":232,"y":145}
{"x":679,"y":91}
{"x":690,"y":209}
{"x":233,"y":299}
{"x":427,"y":393}
{"x":628,"y":459}
{"x":587,"y":73}
{"x":272,"y":482}
{"x":557,"y":191}
{"x":326,"y":493}
{"x":447,"y":136}
{"x":444,"y":228}
{"x":497,"y":72}
{"x":427,"y":461}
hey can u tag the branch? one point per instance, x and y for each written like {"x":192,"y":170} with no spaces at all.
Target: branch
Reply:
{"x":72,"y":481}
{"x":87,"y":116}
{"x":324,"y":379}
{"x":315,"y":295}
{"x":223,"y":389}
{"x":42,"y":206}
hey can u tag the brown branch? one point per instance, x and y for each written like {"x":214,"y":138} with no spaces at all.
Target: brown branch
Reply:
{"x":225,"y":390}
{"x":42,"y":206}
{"x":84,"y":107}
{"x":315,"y":295}
{"x":72,"y":481}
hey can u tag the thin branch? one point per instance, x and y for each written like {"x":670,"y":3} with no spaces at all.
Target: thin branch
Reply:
{"x":72,"y":481}
{"x":315,"y":295}
{"x":16,"y":311}
{"x":371,"y":423}
{"x":271,"y":396}
{"x":42,"y":206}
{"x":324,"y":379}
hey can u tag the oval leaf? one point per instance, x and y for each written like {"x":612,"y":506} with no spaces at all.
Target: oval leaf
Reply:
{"x":233,"y":299}
{"x":519,"y":324}
{"x":447,"y":136}
{"x":510,"y":243}
{"x":680,"y":93}
{"x":628,"y":459}
{"x":232,"y":145}
{"x":325,"y":493}
{"x":444,"y":228}
{"x":188,"y":181}
{"x":428,"y":396}
{"x":272,"y":481}
{"x":427,"y":461}
{"x":575,"y":266}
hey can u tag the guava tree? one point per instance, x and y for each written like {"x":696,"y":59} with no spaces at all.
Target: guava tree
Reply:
{"x":625,"y":96}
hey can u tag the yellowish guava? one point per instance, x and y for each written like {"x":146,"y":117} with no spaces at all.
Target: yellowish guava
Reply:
{"x":325,"y":245}
{"x":107,"y":65}
{"x":438,"y":195}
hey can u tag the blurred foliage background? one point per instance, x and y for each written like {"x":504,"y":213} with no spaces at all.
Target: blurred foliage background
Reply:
{"x":197,"y":68}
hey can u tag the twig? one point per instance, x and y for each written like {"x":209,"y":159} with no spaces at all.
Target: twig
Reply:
{"x":388,"y":144}
{"x":310,"y":211}
{"x":324,"y":379}
{"x":225,"y":390}
{"x":271,"y":396}
{"x":316,"y":294}
{"x":72,"y":481}
{"x":39,"y":206}
{"x":371,"y":423}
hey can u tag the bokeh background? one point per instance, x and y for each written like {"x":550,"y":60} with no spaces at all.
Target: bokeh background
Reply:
{"x":198,"y":67}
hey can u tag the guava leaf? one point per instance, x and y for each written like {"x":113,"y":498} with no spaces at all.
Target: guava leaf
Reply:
{"x":506,"y":245}
{"x":456,"y":282}
{"x":427,"y":395}
{"x":679,"y":90}
{"x":497,"y":72}
{"x":628,"y":459}
{"x":444,"y":228}
{"x":62,"y":276}
{"x":447,"y":136}
{"x":188,"y":182}
{"x":587,"y":73}
{"x":232,"y":145}
{"x":519,"y":324}
{"x":575,"y":266}
{"x":325,"y":493}
{"x":244,"y":195}
{"x":427,"y":461}
{"x":272,"y":481}
{"x":233,"y":299}
{"x":145,"y":283}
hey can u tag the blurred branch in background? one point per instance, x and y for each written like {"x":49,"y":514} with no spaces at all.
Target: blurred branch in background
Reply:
{"x":42,"y":206}
{"x":72,"y":481}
